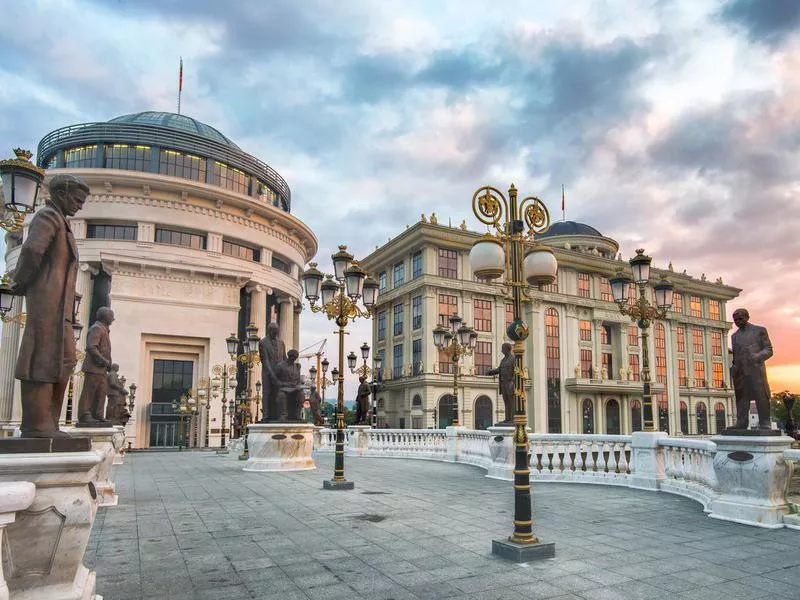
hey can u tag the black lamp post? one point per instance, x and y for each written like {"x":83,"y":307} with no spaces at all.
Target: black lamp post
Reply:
{"x":457,"y":342}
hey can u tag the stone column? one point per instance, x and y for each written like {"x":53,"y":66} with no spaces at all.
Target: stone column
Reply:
{"x":258,"y":316}
{"x":286,"y":332}
{"x":9,"y":345}
{"x":83,"y":286}
{"x":296,"y":326}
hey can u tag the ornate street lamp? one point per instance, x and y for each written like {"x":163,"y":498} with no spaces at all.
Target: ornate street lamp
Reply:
{"x":224,"y":378}
{"x":642,"y":312}
{"x":21,"y":182}
{"x":338,"y":295}
{"x":512,"y":250}
{"x":457,"y":342}
{"x":366,"y":372}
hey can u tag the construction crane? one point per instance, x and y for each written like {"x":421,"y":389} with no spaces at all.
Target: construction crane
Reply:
{"x":316,"y":349}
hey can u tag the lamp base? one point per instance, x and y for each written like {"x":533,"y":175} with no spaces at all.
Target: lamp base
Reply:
{"x":523,"y":553}
{"x":330,"y":484}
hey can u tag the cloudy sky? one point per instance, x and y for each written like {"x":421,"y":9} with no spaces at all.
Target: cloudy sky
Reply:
{"x":673,"y":124}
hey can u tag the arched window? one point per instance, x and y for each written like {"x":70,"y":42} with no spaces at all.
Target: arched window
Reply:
{"x":612,"y":417}
{"x":636,"y":415}
{"x":381,"y":404}
{"x":719,"y":416}
{"x":446,"y":411}
{"x":483,"y":412}
{"x":702,"y":418}
{"x":684,"y":418}
{"x":662,"y":406}
{"x":416,"y":401}
{"x":587,"y":410}
{"x":553,"y":357}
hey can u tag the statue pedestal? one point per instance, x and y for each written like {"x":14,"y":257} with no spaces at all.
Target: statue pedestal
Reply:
{"x":503,"y":453}
{"x":44,"y":547}
{"x":106,"y":441}
{"x":752,"y":476}
{"x":280,"y":447}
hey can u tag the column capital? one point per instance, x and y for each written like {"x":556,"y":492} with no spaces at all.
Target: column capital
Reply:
{"x":254,"y":287}
{"x":87,"y":267}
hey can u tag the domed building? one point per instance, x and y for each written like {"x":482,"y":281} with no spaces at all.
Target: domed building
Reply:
{"x":188,"y":239}
{"x":583,"y":356}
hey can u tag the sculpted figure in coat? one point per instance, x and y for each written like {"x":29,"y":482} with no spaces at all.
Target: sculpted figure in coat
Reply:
{"x":91,"y":406}
{"x":751,"y":348}
{"x":45,"y":273}
{"x":506,"y":373}
{"x":272,"y":351}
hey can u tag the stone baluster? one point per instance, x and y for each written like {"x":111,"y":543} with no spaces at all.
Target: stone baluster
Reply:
{"x":11,"y":337}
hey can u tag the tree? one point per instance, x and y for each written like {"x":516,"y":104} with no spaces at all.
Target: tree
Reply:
{"x":778,"y":410}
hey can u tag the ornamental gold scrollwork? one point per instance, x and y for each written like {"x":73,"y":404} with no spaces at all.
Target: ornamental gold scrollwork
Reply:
{"x":341,"y":308}
{"x":535,"y":215}
{"x":489,"y":206}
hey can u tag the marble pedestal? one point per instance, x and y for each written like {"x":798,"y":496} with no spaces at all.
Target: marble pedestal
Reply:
{"x":44,"y":546}
{"x":14,"y":496}
{"x":106,"y":441}
{"x":280,"y":447}
{"x":503,"y":453}
{"x":752,"y":476}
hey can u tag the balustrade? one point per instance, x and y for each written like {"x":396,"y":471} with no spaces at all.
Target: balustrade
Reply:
{"x":689,"y":466}
{"x":584,"y":458}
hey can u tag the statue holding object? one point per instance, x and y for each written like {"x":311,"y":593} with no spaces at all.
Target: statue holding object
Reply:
{"x":506,"y":373}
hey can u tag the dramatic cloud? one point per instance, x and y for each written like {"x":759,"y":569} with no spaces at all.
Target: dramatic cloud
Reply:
{"x":673,"y":125}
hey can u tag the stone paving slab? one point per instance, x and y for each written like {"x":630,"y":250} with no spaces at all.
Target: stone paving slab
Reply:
{"x":193,"y":525}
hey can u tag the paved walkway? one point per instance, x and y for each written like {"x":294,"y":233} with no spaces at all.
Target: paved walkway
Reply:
{"x":192,"y":525}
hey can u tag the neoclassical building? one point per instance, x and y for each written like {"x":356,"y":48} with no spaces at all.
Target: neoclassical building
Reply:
{"x":583,"y":355}
{"x":188,"y":238}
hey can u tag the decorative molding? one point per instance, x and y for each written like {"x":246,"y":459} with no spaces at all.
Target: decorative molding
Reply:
{"x":107,"y":186}
{"x":146,"y":190}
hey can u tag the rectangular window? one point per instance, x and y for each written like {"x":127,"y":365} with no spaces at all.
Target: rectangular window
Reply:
{"x":697,"y":341}
{"x":280,"y":264}
{"x":661,"y":368}
{"x":416,"y":264}
{"x":695,"y":306}
{"x":185,"y":166}
{"x":416,"y":422}
{"x":509,"y":314}
{"x":681,"y":338}
{"x":585,"y":331}
{"x":605,"y":290}
{"x":128,"y":158}
{"x":586,"y":363}
{"x":633,"y":335}
{"x":382,"y":282}
{"x":608,"y":364}
{"x":716,"y":343}
{"x":661,"y":353}
{"x":552,"y":287}
{"x":682,"y":379}
{"x":399,"y":274}
{"x":483,"y":357}
{"x":677,"y":303}
{"x":397,"y":361}
{"x":447,"y":308}
{"x":483,"y":315}
{"x":633,"y":367}
{"x":448,"y":263}
{"x":605,"y":335}
{"x":633,"y":294}
{"x":699,"y":373}
{"x":718,"y":375}
{"x":583,"y":285}
{"x":416,"y":357}
{"x":714,"y":309}
{"x":398,"y":319}
{"x":416,"y":312}
{"x":180,"y":238}
{"x":240,"y":251}
{"x":231,"y":178}
{"x":381,"y":325}
{"x":80,"y":158}
{"x":111,"y":232}
{"x":445,"y":363}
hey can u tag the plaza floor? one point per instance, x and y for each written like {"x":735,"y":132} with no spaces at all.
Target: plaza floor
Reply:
{"x":193,"y":525}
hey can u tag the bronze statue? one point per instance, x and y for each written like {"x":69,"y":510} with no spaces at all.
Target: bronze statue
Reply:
{"x":45,"y":273}
{"x":289,"y":388}
{"x":751,"y":347}
{"x":362,"y":402}
{"x":271,"y":351}
{"x":506,"y":373}
{"x":116,"y":395}
{"x":316,"y":406}
{"x":95,"y":366}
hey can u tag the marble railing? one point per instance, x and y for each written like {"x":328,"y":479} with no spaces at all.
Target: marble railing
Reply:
{"x":649,"y":461}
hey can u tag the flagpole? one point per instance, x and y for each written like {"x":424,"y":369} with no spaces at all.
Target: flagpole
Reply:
{"x":180,"y":85}
{"x":563,"y":207}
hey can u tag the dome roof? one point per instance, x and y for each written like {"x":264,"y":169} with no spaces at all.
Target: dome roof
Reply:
{"x":175,"y":121}
{"x":570,"y":228}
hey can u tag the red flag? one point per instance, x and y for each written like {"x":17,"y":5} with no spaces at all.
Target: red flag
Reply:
{"x":180,"y":77}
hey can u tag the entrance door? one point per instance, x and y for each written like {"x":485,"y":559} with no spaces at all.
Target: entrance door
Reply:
{"x":171,"y":379}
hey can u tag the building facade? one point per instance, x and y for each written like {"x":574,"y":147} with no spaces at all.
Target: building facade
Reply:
{"x":583,"y":355}
{"x":188,"y":239}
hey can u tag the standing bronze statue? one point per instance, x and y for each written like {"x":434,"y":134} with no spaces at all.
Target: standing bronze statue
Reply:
{"x":362,"y":402}
{"x":116,"y":395}
{"x":289,"y":389}
{"x":45,"y":273}
{"x":95,"y":366}
{"x":271,"y":351}
{"x":506,"y":373}
{"x":315,"y":402}
{"x":751,"y":348}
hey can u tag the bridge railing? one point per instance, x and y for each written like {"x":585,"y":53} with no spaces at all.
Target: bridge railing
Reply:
{"x":650,"y":461}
